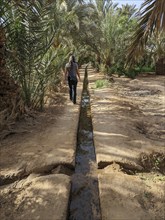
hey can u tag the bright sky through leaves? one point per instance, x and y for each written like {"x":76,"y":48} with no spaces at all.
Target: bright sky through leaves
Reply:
{"x":130,"y":2}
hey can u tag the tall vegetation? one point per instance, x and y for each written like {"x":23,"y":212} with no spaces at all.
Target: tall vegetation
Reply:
{"x":35,"y":44}
{"x":11,"y":105}
{"x":114,"y":27}
{"x":31,"y":29}
{"x":150,"y":33}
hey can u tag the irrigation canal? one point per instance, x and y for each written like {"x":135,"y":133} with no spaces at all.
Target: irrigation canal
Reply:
{"x":84,"y":199}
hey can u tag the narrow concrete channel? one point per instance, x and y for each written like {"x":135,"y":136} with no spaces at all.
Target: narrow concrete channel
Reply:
{"x":84,"y":199}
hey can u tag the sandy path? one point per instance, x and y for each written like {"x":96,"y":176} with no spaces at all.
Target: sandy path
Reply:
{"x":36,"y":166}
{"x":128,"y":126}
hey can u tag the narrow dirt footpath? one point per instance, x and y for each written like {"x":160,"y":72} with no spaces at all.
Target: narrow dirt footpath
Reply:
{"x":129,"y":136}
{"x":27,"y":190}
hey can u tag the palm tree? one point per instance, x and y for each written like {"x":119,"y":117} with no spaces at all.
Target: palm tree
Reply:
{"x":11,"y":105}
{"x":39,"y":38}
{"x":152,"y":20}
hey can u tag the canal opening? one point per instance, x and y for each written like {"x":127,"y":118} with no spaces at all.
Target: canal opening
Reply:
{"x":84,"y":199}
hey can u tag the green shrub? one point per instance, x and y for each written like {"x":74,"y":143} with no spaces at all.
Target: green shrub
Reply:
{"x":146,"y":69}
{"x":103,"y":83}
{"x":112,"y":70}
{"x":131,"y":73}
{"x":117,"y":69}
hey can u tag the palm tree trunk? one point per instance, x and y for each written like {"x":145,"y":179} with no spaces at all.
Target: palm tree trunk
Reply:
{"x":160,"y":67}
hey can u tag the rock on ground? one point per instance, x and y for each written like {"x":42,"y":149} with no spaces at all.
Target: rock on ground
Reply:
{"x":125,"y":197}
{"x":42,"y":198}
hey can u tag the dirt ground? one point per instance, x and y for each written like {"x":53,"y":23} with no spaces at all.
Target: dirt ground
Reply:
{"x":129,"y":134}
{"x":141,"y":99}
{"x":37,"y":160}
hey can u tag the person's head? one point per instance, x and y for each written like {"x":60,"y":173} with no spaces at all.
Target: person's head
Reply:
{"x":72,"y":59}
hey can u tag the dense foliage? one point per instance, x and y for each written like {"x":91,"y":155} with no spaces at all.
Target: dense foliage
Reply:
{"x":41,"y":34}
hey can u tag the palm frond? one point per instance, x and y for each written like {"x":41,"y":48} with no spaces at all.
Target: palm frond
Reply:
{"x":152,"y":20}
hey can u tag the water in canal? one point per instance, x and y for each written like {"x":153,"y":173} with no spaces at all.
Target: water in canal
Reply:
{"x":84,"y":200}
